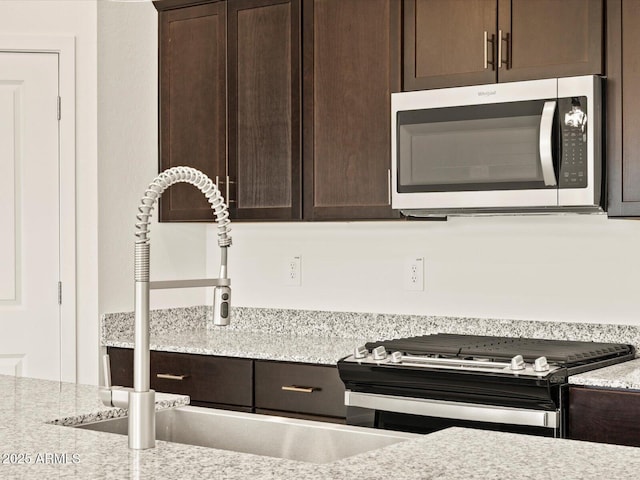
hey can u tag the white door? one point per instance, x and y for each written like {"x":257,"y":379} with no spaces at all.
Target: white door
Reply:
{"x":29,"y":215}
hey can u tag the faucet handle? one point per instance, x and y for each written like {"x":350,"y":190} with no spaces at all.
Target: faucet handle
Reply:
{"x":109,"y":395}
{"x":106,"y":370}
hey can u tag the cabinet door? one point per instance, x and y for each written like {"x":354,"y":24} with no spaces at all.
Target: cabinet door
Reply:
{"x":605,"y":416}
{"x":192,"y":103}
{"x":549,"y":38}
{"x":121,"y":364}
{"x":444,"y":43}
{"x":351,"y":56}
{"x":264,"y":109}
{"x":623,"y":107}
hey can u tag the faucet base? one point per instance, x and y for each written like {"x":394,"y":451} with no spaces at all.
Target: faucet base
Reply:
{"x":142,"y":415}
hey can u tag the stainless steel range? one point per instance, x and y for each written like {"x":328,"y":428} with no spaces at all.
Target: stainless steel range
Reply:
{"x":422,"y":384}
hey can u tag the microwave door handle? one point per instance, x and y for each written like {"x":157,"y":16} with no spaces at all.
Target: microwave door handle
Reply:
{"x":546,"y":144}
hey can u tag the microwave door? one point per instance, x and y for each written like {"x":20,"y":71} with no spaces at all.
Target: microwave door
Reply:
{"x":482,"y":156}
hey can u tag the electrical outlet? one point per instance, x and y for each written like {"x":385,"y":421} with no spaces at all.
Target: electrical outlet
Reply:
{"x":414,"y":273}
{"x":293,"y":271}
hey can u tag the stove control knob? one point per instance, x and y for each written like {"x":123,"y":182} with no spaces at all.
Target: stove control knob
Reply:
{"x":396,"y":357}
{"x":379,"y":353}
{"x":517,"y":363}
{"x":541,"y":365}
{"x":360,"y":352}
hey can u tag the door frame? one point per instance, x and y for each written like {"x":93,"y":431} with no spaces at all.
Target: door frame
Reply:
{"x":64,"y":46}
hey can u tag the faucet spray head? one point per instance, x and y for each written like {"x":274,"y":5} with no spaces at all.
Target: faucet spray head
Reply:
{"x":222,"y":295}
{"x":221,"y":301}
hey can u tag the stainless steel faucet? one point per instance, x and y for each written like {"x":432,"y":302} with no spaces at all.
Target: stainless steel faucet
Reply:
{"x":141,"y":399}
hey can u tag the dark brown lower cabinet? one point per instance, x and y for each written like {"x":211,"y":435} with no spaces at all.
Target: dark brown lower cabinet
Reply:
{"x":604,"y":416}
{"x":209,"y":381}
{"x":306,"y":391}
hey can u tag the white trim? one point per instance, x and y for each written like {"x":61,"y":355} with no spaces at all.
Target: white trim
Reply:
{"x":12,"y":364}
{"x":64,"y":46}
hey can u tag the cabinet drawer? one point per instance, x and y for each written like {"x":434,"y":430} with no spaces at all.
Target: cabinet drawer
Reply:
{"x":203,"y":377}
{"x":605,"y":416}
{"x":293,"y":387}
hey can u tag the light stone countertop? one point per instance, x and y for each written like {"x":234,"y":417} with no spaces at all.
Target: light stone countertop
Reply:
{"x":27,"y":405}
{"x":324,"y":337}
{"x":621,"y":376}
{"x":248,"y":344}
{"x":186,"y":330}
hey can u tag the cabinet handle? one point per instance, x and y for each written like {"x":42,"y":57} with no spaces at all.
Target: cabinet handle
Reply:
{"x":507,"y":39}
{"x":169,"y":376}
{"x":485,"y":43}
{"x":389,"y":186}
{"x":296,"y":388}
{"x":499,"y":48}
{"x":229,"y":182}
{"x":545,"y":143}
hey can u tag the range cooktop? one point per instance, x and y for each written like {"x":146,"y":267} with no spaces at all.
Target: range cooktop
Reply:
{"x":490,"y":348}
{"x":508,"y":371}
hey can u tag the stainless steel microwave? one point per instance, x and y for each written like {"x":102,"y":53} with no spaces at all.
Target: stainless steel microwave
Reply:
{"x":532,"y":146}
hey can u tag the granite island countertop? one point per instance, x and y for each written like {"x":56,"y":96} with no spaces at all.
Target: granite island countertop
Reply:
{"x":28,"y":406}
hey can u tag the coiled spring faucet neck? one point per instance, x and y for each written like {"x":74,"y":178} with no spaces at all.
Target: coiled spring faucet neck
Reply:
{"x":141,"y":400}
{"x":151,"y":195}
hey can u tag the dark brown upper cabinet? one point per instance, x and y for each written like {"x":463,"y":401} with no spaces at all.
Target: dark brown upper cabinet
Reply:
{"x":351,"y":64}
{"x":451,"y":43}
{"x":230,"y":105}
{"x":623,"y":107}
{"x":264,"y":109}
{"x":192,"y":89}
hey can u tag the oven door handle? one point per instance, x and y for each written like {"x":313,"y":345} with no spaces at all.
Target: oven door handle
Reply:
{"x":454,"y":410}
{"x":546,"y":143}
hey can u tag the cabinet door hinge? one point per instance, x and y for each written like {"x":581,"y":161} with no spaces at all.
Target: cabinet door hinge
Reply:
{"x":59,"y":293}
{"x":59,"y":107}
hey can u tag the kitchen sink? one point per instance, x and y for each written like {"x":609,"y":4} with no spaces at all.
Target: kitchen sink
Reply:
{"x":280,"y":437}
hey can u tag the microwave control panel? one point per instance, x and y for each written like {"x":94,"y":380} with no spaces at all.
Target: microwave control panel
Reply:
{"x":573,"y":128}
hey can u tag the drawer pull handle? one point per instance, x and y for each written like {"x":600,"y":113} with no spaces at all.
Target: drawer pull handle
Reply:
{"x":296,"y":388}
{"x":169,"y":376}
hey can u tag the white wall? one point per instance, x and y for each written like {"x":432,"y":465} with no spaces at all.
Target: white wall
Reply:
{"x":78,"y":19}
{"x":565,"y":268}
{"x":116,"y":157}
{"x":128,"y":161}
